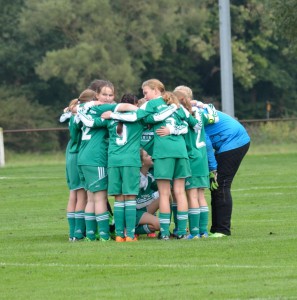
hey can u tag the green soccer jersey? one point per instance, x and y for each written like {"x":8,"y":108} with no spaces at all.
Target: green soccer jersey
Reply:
{"x":171,"y":146}
{"x":74,"y":126}
{"x":148,"y":190}
{"x":196,"y":147}
{"x":147,"y":139}
{"x":124,"y":146}
{"x":94,"y":141}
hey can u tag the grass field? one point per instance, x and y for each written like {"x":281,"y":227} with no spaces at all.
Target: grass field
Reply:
{"x":259,"y":260}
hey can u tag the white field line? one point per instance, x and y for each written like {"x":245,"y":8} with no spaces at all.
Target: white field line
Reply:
{"x":119,"y":266}
{"x":255,"y":188}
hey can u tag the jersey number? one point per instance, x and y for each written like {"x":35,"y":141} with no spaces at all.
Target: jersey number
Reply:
{"x":85,"y":135}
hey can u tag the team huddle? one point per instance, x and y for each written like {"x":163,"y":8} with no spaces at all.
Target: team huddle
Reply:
{"x":153,"y":155}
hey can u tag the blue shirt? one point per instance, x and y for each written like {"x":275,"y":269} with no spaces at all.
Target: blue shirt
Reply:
{"x":227,"y":134}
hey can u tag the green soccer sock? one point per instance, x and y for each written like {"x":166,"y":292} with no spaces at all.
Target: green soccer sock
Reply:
{"x":130,"y":217}
{"x":164,"y":224}
{"x":203,"y":224}
{"x":142,"y":229}
{"x":119,"y":217}
{"x":71,"y":223}
{"x":182,"y":220}
{"x":103,"y":225}
{"x":174,"y":214}
{"x":194,"y":217}
{"x":80,"y":225}
{"x":91,"y":226}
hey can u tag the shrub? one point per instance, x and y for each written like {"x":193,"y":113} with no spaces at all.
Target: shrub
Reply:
{"x":273,"y":132}
{"x":17,"y":112}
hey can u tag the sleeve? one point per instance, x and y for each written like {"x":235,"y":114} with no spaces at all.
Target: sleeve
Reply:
{"x":211,"y":113}
{"x":212,"y":163}
{"x":156,"y":195}
{"x":125,"y":117}
{"x":143,"y":181}
{"x":88,"y":105}
{"x":181,"y":129}
{"x":194,"y":123}
{"x":161,"y":116}
{"x":86,"y":119}
{"x":65,"y":117}
{"x":89,"y":121}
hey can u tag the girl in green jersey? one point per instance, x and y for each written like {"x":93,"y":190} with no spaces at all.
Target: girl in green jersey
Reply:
{"x":171,"y":161}
{"x":195,"y":185}
{"x":92,"y":166}
{"x":77,"y":195}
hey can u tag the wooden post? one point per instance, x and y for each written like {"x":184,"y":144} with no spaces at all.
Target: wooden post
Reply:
{"x":2,"y":157}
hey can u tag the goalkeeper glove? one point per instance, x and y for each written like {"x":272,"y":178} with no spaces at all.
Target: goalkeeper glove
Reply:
{"x":213,"y":180}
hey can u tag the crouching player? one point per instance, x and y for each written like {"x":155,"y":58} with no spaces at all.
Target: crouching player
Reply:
{"x":147,"y":201}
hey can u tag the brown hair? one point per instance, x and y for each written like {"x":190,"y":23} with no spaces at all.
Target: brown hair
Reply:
{"x":154,"y":84}
{"x":86,"y":96}
{"x":170,"y":98}
{"x":73,"y":103}
{"x":98,"y":84}
{"x":141,"y":101}
{"x":126,"y":98}
{"x":129,"y":98}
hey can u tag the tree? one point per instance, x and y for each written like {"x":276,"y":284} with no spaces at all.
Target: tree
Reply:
{"x":23,"y":114}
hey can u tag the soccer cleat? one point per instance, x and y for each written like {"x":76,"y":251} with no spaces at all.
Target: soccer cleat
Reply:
{"x":163,"y":237}
{"x":70,"y":239}
{"x":104,"y":240}
{"x":204,"y":235}
{"x":151,"y":235}
{"x":182,"y":237}
{"x":86,"y":239}
{"x":78,"y":240}
{"x":217,"y":235}
{"x":193,"y":237}
{"x":175,"y":230}
{"x":129,"y":239}
{"x":120,"y":239}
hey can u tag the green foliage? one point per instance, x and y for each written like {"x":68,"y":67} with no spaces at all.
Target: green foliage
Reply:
{"x":51,"y":50}
{"x":19,"y":113}
{"x":285,"y":18}
{"x":273,"y":132}
{"x":256,"y":262}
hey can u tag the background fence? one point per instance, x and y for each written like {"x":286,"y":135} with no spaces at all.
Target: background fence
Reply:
{"x":56,"y":139}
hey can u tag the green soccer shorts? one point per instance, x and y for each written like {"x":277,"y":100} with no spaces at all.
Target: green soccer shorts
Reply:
{"x":123,"y":180}
{"x":197,"y":182}
{"x":171,"y":168}
{"x":94,"y":178}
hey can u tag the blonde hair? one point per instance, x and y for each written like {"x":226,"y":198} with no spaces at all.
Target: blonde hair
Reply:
{"x":87,"y":95}
{"x":154,"y":84}
{"x":73,"y":103}
{"x":183,"y":99}
{"x":170,"y":98}
{"x":186,"y":90}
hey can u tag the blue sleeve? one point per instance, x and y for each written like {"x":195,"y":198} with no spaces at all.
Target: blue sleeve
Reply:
{"x":212,"y":163}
